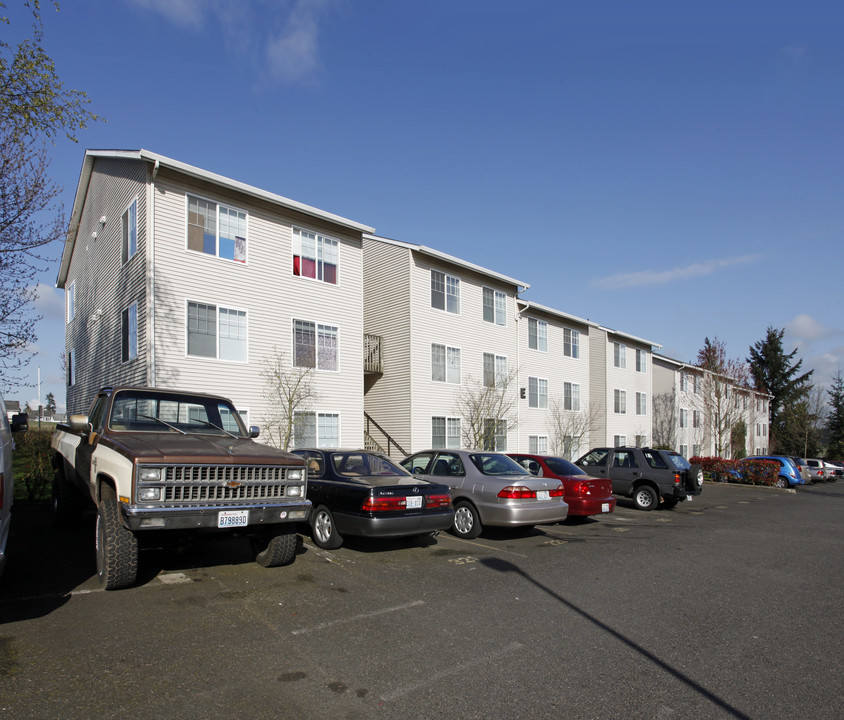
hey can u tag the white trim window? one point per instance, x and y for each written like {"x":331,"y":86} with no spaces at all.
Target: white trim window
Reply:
{"x":697,"y":384}
{"x":130,"y":231}
{"x":571,"y":343}
{"x":215,"y":229}
{"x":313,"y":429}
{"x":129,"y":333}
{"x":445,"y":292}
{"x":495,"y":435}
{"x":571,"y":396}
{"x":537,"y":393}
{"x":445,"y":432}
{"x":684,"y":451}
{"x":641,"y":403}
{"x":445,"y":364}
{"x":641,"y":361}
{"x":696,"y":416}
{"x":315,"y":256}
{"x":316,"y":345}
{"x":537,"y":335}
{"x":684,"y":382}
{"x":619,"y":440}
{"x":641,"y":441}
{"x":495,"y":370}
{"x":538,"y":444}
{"x":620,"y":402}
{"x":684,"y":418}
{"x":216,"y":332}
{"x":619,"y":355}
{"x":495,"y":306}
{"x":70,"y":302}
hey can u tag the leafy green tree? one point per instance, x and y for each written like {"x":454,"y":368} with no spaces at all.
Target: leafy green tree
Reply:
{"x":835,"y":418}
{"x":35,"y":108}
{"x":50,"y":404}
{"x":775,"y":372}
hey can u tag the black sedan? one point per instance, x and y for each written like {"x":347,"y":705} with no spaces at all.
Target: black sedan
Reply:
{"x":357,"y":492}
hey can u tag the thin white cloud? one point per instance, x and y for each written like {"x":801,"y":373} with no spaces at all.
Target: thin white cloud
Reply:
{"x":189,"y":14}
{"x":804,"y":328}
{"x":293,"y":54}
{"x":644,"y":278}
{"x":50,"y":301}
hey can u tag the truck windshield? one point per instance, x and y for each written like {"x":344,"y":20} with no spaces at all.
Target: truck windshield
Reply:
{"x":151,"y":411}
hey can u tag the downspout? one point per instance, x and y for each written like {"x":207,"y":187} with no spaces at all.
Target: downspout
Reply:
{"x":151,"y":276}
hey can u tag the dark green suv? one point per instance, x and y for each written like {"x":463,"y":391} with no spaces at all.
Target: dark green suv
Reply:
{"x":645,"y":474}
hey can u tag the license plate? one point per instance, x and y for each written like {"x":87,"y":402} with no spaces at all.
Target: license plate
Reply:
{"x":542,"y":494}
{"x":414,"y":503}
{"x":232,"y":518}
{"x":605,"y":507}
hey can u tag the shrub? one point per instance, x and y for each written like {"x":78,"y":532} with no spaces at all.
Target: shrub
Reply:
{"x":33,"y":470}
{"x":748,"y":472}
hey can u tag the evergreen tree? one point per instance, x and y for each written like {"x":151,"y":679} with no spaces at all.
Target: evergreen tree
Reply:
{"x":775,"y":372}
{"x":835,"y":419}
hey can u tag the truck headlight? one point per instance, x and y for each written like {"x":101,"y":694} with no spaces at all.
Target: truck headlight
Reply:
{"x":294,"y":491}
{"x":149,"y":494}
{"x":294,"y":474}
{"x":147,"y":474}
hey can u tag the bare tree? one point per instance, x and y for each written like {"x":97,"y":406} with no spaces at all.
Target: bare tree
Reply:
{"x":569,"y":430}
{"x":487,"y":409}
{"x":289,"y":389}
{"x":664,"y":429}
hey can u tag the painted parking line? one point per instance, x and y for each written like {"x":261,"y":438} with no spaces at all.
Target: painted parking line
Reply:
{"x":355,"y":618}
{"x":475,"y":543}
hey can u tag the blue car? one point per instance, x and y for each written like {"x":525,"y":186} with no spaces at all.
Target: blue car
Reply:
{"x":789,"y":471}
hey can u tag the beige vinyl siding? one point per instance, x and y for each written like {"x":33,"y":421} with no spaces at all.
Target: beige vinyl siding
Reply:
{"x":599,"y":396}
{"x":104,"y":286}
{"x":387,"y":314}
{"x":272,"y":297}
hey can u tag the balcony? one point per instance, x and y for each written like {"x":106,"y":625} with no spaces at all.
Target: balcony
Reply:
{"x":372,"y":364}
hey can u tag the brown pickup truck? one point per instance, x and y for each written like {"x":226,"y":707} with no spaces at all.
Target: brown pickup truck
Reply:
{"x":153,"y":459}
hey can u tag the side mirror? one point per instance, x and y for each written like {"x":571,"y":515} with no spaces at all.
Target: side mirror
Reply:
{"x":79,"y":423}
{"x":20,"y":422}
{"x":254,"y":431}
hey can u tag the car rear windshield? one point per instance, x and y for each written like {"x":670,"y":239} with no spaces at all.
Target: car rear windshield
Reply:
{"x":559,"y":466}
{"x":679,"y":461}
{"x":497,"y":464}
{"x":361,"y":464}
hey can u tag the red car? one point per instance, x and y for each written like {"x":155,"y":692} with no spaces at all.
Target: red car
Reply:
{"x":584,"y":494}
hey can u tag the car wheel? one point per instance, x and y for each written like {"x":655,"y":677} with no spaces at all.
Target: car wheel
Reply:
{"x":117,"y":548}
{"x":280,"y":550}
{"x":668,"y":503}
{"x":645,"y":497}
{"x":699,"y":479}
{"x":466,"y":524}
{"x":323,"y":530}
{"x":781,"y":482}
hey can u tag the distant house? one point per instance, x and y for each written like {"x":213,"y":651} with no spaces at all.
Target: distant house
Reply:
{"x":177,"y":277}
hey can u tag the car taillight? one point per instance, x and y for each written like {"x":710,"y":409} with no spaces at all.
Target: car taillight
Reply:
{"x":676,"y":478}
{"x":383,"y":504}
{"x":438,"y":501}
{"x":580,"y":488}
{"x":516,"y":492}
{"x":558,"y":491}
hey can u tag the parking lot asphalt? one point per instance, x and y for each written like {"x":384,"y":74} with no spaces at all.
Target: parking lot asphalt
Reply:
{"x":725,"y":607}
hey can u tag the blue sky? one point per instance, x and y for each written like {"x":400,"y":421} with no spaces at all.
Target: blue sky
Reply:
{"x":671,"y":170}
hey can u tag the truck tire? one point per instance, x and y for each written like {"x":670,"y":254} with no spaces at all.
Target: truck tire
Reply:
{"x":645,"y":497}
{"x":117,"y":548}
{"x":280,"y":550}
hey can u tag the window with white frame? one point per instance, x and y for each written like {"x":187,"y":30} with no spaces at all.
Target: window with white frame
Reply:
{"x":571,"y":396}
{"x":216,"y":229}
{"x":641,"y":361}
{"x":537,"y":334}
{"x":571,"y":343}
{"x":70,"y":300}
{"x":445,"y":292}
{"x":495,"y":306}
{"x":216,"y":332}
{"x":684,"y":451}
{"x":495,"y":370}
{"x":130,"y":231}
{"x":684,"y":382}
{"x":697,"y":384}
{"x":445,"y":364}
{"x":445,"y":432}
{"x":619,"y":355}
{"x":619,"y":440}
{"x":315,"y":345}
{"x":538,"y":444}
{"x":129,"y":333}
{"x":315,"y":256}
{"x":620,"y":401}
{"x":495,"y":435}
{"x":316,"y":429}
{"x":641,"y":441}
{"x":641,"y":403}
{"x":696,"y":450}
{"x":696,"y":417}
{"x":537,"y":392}
{"x":684,"y":418}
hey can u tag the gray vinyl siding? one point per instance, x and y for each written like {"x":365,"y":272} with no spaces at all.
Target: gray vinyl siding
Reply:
{"x":272,"y":297}
{"x":104,"y":286}
{"x":598,"y":384}
{"x":387,"y":314}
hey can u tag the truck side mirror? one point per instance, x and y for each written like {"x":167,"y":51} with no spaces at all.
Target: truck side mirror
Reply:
{"x":79,"y":423}
{"x":20,"y":422}
{"x":254,"y":431}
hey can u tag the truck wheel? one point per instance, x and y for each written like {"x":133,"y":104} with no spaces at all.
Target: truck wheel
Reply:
{"x":324,"y":530}
{"x":280,"y":550}
{"x":67,"y":503}
{"x":467,"y":524}
{"x":117,"y":548}
{"x":645,"y":497}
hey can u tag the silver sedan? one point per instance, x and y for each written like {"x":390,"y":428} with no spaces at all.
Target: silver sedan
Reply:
{"x":489,"y":488}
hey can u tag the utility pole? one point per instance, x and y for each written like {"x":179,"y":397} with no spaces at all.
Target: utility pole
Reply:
{"x":39,"y":397}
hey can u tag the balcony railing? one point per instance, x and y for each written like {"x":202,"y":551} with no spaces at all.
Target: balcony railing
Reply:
{"x":372,"y":354}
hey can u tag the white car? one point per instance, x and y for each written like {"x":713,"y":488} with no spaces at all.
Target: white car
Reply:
{"x":7,"y":445}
